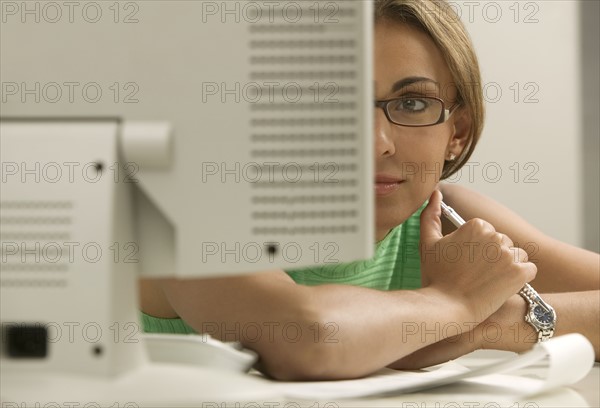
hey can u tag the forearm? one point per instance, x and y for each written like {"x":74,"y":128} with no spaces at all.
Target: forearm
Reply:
{"x":376,"y":328}
{"x":577,"y":312}
{"x":323,"y":332}
{"x":506,"y":329}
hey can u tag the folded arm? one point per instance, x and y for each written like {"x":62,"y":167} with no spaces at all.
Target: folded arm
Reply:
{"x":323,"y":332}
{"x":506,"y":329}
{"x":341,"y":331}
{"x":568,"y":279}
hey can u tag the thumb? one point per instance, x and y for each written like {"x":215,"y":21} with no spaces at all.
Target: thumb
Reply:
{"x":431,"y":224}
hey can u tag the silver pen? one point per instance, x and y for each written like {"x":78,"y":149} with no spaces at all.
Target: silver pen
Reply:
{"x":452,"y":215}
{"x":457,"y":220}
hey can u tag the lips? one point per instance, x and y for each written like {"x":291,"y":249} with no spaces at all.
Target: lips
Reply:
{"x":386,"y":184}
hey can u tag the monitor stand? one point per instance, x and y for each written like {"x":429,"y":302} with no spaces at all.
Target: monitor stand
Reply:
{"x":71,"y":332}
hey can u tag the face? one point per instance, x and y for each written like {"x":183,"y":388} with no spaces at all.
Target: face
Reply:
{"x":409,"y":160}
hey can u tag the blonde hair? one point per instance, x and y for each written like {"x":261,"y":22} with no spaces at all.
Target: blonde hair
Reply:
{"x":439,"y":20}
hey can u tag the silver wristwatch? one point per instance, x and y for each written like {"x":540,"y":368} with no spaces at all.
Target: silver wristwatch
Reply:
{"x":540,"y":314}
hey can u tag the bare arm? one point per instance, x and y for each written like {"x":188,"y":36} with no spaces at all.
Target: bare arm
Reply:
{"x":338,"y":331}
{"x":311,"y":332}
{"x":561,"y":267}
{"x":507,"y":330}
{"x":576,"y":313}
{"x":570,"y":277}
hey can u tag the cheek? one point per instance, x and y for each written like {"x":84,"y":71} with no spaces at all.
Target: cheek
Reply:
{"x":425,"y":162}
{"x":429,"y":169}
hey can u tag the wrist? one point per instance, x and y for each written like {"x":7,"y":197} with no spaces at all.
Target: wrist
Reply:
{"x":506,"y":329}
{"x":540,"y":315}
{"x":452,"y":305}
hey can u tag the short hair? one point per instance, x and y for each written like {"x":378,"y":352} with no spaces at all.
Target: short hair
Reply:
{"x":439,"y":20}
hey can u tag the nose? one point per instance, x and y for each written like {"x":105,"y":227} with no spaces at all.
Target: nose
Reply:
{"x":384,"y":144}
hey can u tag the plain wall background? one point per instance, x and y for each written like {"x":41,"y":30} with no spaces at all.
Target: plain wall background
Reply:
{"x":590,"y":33}
{"x":539,"y":66}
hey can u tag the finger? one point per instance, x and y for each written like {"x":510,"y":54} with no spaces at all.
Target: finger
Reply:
{"x":529,"y":270}
{"x":431,"y":224}
{"x":505,"y":240}
{"x":519,"y":255}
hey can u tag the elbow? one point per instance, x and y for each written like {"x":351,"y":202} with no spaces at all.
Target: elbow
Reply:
{"x":309,"y":363}
{"x":307,"y":349}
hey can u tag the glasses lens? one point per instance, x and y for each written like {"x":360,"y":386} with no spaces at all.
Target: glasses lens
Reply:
{"x":415,"y":111}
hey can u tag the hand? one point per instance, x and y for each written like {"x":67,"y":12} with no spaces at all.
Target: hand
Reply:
{"x":475,"y":265}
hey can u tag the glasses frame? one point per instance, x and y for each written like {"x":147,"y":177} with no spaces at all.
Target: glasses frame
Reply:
{"x":444,"y":115}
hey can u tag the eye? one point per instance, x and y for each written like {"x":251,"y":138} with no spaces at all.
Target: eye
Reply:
{"x":411,"y":105}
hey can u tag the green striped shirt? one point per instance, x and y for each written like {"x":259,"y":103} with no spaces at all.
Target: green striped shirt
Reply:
{"x":395,"y":265}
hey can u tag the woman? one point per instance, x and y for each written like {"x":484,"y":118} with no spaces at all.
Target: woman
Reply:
{"x":405,"y":308}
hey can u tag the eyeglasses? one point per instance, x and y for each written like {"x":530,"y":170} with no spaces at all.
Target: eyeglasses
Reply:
{"x":416,"y":111}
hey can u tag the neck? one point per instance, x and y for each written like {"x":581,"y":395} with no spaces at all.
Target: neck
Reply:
{"x":380,"y":234}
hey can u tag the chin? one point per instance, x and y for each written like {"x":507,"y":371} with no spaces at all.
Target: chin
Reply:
{"x":388,"y":217}
{"x":391,"y":213}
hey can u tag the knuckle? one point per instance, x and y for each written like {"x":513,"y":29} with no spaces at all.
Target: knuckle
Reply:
{"x":506,"y":253}
{"x":532,"y":269}
{"x":477,"y":223}
{"x":481,"y":228}
{"x":521,"y":255}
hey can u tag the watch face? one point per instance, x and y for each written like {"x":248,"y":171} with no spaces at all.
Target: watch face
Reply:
{"x":542,"y":315}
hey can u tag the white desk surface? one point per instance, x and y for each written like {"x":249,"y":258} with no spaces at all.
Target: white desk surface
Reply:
{"x":585,"y":393}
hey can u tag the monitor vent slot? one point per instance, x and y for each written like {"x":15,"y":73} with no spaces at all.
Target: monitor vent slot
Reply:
{"x":310,"y":44}
{"x":304,"y":122}
{"x":35,"y":238}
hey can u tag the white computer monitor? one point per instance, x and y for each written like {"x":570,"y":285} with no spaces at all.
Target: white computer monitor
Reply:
{"x":170,"y":138}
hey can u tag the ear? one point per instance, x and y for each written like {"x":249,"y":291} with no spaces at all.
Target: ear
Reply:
{"x":461,"y":128}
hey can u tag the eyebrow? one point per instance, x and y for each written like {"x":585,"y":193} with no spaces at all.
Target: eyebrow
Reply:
{"x":411,"y":80}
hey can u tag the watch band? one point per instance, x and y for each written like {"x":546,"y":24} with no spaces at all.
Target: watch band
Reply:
{"x":533,"y":298}
{"x":545,"y":334}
